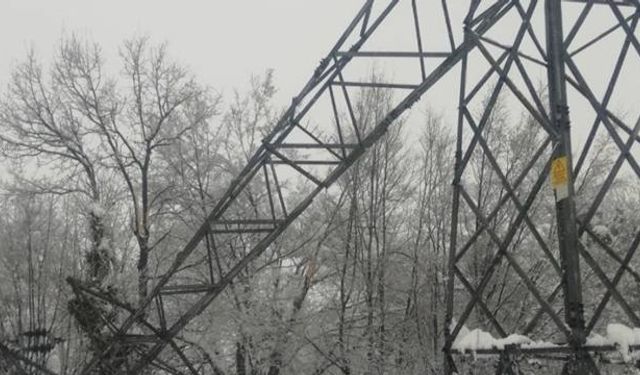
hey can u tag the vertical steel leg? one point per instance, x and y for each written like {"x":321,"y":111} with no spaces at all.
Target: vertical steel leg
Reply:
{"x":562,"y":183}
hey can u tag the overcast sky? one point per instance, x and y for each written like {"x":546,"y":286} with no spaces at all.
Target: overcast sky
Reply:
{"x":222,"y":41}
{"x":225,"y":41}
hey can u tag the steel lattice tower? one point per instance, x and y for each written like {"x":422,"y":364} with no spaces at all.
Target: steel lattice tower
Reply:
{"x":492,"y":48}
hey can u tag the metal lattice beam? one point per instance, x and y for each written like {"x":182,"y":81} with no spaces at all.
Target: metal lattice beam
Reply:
{"x":520,"y":201}
{"x":320,"y":158}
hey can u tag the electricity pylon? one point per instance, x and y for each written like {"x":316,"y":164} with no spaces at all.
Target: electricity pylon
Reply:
{"x":494,"y":48}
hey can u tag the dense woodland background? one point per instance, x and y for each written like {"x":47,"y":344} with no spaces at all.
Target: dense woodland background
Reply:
{"x":111,"y":173}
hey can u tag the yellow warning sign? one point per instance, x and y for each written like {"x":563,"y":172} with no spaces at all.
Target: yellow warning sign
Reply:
{"x":559,"y":172}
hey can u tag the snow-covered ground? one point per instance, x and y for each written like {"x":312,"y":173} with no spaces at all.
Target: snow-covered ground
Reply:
{"x":618,"y":335}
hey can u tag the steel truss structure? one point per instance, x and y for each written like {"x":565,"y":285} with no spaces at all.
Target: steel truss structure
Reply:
{"x":495,"y":48}
{"x":19,"y":364}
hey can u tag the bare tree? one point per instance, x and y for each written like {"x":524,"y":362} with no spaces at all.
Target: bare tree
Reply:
{"x":40,"y":247}
{"x":79,"y":131}
{"x":160,"y":102}
{"x":112,"y":124}
{"x":43,"y":125}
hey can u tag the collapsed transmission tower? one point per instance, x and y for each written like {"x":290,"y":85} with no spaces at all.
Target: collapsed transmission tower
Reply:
{"x":492,"y":49}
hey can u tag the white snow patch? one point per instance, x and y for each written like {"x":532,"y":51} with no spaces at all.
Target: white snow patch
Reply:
{"x":539,"y":344}
{"x":53,"y":362}
{"x":601,"y":231}
{"x":513,"y":339}
{"x":595,"y":339}
{"x":619,"y":335}
{"x":105,"y":244}
{"x":464,"y":331}
{"x":96,"y":209}
{"x":476,"y":339}
{"x":623,"y":337}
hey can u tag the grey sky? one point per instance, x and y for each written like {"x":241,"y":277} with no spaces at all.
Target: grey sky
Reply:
{"x":223,"y":41}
